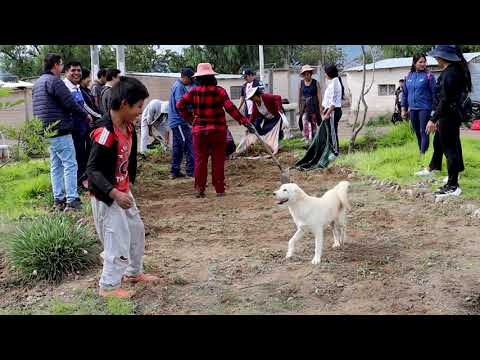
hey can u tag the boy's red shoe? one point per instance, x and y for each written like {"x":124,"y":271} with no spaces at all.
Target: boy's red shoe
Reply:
{"x":146,"y":278}
{"x":118,"y":293}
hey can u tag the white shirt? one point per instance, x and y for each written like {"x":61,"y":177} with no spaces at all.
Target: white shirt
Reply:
{"x":153,"y":111}
{"x":262,"y":109}
{"x":249,"y":103}
{"x":333,"y":94}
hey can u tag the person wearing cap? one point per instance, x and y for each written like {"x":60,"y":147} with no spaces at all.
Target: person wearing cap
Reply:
{"x":309,"y":103}
{"x":266,"y":117}
{"x":250,"y":82}
{"x":209,"y":126}
{"x":181,"y":131}
{"x":454,"y":82}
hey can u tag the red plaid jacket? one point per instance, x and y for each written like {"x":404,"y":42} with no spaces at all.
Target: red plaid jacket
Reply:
{"x":207,"y":105}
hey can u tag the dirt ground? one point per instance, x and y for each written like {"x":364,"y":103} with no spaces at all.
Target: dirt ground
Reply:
{"x":227,"y":255}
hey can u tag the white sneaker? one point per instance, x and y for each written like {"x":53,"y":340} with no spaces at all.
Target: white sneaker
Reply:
{"x":424,"y":172}
{"x":448,"y":191}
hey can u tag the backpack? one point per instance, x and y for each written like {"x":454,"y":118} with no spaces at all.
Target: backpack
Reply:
{"x":465,"y":107}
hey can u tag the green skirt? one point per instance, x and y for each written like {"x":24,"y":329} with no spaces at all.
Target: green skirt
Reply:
{"x":320,"y":152}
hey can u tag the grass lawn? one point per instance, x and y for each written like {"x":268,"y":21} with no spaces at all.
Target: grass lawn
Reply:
{"x":25,"y":189}
{"x":83,"y":302}
{"x":395,"y":157}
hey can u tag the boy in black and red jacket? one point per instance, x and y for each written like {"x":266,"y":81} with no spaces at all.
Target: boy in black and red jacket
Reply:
{"x":110,"y":170}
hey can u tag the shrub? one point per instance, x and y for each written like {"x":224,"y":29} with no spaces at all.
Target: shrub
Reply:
{"x":380,"y":120}
{"x":399,"y":135}
{"x":31,"y":137}
{"x":51,"y":247}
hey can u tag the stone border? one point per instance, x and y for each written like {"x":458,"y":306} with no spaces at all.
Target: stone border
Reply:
{"x":419,"y":191}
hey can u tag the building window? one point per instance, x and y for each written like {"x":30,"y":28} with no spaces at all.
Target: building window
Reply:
{"x":386,"y":89}
{"x":235,"y":92}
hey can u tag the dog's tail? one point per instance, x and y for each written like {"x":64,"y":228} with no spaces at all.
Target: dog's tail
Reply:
{"x":342,"y":188}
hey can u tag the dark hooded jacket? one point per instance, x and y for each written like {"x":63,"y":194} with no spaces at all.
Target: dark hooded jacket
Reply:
{"x":102,"y":161}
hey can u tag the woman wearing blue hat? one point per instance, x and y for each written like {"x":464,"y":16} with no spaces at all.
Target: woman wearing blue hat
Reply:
{"x":453,"y":83}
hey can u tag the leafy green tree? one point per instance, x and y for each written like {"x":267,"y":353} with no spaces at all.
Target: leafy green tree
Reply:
{"x":19,"y":59}
{"x":409,"y":50}
{"x":141,"y":58}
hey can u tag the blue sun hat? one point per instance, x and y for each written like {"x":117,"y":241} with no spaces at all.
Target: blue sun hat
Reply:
{"x":447,"y":52}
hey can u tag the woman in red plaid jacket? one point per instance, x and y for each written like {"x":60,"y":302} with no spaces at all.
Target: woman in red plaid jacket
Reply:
{"x":207,"y":102}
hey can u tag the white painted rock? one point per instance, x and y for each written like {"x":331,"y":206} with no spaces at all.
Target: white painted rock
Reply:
{"x":476,"y":214}
{"x":469,"y":208}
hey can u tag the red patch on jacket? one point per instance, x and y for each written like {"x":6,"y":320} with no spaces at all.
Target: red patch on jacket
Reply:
{"x":103,"y":136}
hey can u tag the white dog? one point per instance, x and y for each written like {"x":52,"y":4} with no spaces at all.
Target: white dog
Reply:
{"x":312,"y":214}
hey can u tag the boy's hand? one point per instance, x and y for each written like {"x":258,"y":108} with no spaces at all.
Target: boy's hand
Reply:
{"x":123,"y":199}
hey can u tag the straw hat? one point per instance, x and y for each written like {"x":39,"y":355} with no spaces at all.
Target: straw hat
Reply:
{"x":204,"y":69}
{"x":306,"y":68}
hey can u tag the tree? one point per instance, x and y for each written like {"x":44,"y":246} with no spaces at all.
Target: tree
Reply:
{"x":170,"y":61}
{"x":409,"y":50}
{"x":392,"y":51}
{"x":325,"y":54}
{"x":141,"y":58}
{"x":357,"y":127}
{"x":225,"y":58}
{"x":19,"y":59}
{"x":27,"y":60}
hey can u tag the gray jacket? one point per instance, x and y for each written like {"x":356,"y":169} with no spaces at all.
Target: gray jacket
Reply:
{"x":52,"y":102}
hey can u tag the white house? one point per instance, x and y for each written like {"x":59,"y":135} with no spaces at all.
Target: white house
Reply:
{"x":388,"y":72}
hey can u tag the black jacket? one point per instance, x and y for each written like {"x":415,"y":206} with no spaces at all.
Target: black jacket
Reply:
{"x":450,"y":87}
{"x":101,"y":163}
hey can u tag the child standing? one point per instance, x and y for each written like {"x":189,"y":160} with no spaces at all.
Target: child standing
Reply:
{"x":111,"y":167}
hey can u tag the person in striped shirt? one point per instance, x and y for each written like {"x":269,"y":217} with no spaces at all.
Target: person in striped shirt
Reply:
{"x":207,"y":102}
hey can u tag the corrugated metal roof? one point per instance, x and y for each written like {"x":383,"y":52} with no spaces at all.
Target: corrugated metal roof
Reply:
{"x":15,"y":85}
{"x":177,"y":75}
{"x":405,"y":62}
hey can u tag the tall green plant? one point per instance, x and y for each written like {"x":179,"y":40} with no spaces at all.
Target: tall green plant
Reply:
{"x":31,"y":139}
{"x":51,"y":247}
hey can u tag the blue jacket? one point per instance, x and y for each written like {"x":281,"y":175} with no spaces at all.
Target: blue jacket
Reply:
{"x":418,"y":91}
{"x":52,"y":102}
{"x":177,"y":91}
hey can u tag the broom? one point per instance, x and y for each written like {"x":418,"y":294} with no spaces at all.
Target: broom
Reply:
{"x":284,"y":173}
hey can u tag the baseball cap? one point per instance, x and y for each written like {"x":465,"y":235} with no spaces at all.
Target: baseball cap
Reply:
{"x":247,"y":72}
{"x":188,"y":72}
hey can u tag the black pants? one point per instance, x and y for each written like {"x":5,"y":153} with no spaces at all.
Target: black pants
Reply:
{"x":82,"y":151}
{"x":436,"y":162}
{"x":449,"y":133}
{"x":337,"y":115}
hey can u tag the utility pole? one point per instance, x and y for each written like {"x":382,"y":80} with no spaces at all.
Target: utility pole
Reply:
{"x":260,"y":57}
{"x":120,"y":51}
{"x":321,"y":72}
{"x":94,"y":61}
